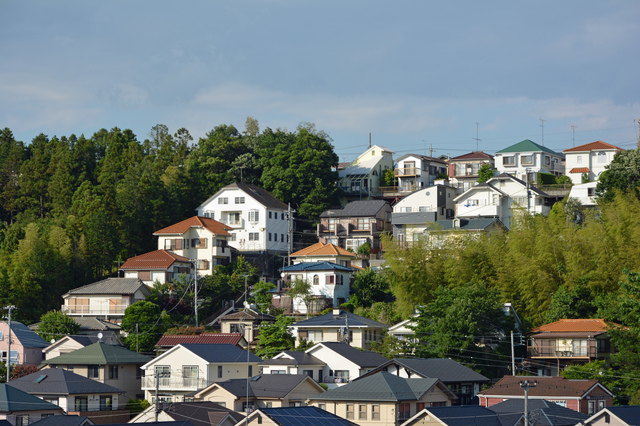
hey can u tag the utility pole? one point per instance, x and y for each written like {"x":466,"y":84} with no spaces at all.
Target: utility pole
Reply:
{"x":542,"y":127}
{"x":526,"y":385}
{"x":289,"y":234}
{"x":476,"y":138}
{"x":10,"y":308}
{"x":573,"y":138}
{"x":513,"y":359}
{"x":159,"y":374}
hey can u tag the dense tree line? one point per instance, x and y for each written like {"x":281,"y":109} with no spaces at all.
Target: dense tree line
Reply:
{"x":72,"y":207}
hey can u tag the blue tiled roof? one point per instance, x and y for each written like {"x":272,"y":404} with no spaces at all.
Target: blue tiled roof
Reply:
{"x":28,"y":338}
{"x":468,"y":415}
{"x":316,"y":266}
{"x":627,"y":413}
{"x":303,"y":416}
{"x":220,"y":353}
{"x":56,"y":381}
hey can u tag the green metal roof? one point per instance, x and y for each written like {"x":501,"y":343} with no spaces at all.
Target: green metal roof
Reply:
{"x":101,"y":354}
{"x":528,"y":146}
{"x":12,"y":400}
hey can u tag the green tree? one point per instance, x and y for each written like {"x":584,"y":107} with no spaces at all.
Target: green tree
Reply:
{"x":35,"y":176}
{"x":262,"y":296}
{"x":275,"y":337}
{"x":55,"y":325}
{"x":144,"y":324}
{"x":301,"y":289}
{"x":568,"y":302}
{"x":622,"y":174}
{"x":388,"y":178}
{"x":485,"y":172}
{"x":369,"y":287}
{"x":12,"y":154}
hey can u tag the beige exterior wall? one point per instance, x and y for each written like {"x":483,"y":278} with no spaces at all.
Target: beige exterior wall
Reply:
{"x":246,"y":325}
{"x":33,"y":416}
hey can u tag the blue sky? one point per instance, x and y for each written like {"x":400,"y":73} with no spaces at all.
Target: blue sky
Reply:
{"x":414,"y":74}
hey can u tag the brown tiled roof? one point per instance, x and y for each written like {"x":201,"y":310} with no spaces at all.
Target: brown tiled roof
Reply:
{"x":593,"y":146}
{"x":158,"y":259}
{"x":547,"y":387}
{"x":579,"y":170}
{"x":573,"y":325}
{"x":204,"y":338}
{"x":321,"y":249}
{"x":211,"y":225}
{"x":475,"y":155}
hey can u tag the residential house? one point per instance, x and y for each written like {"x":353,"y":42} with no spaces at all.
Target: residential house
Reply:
{"x":92,"y":326}
{"x":501,"y":197}
{"x":295,"y":416}
{"x":321,"y":252}
{"x":620,"y":415}
{"x":168,"y":341}
{"x":158,"y":266}
{"x":64,"y":420}
{"x":332,"y":363}
{"x":339,"y":326}
{"x":383,"y":399}
{"x":585,"y":194}
{"x":586,"y":162}
{"x":462,"y":381}
{"x":75,"y":394}
{"x":246,"y":323}
{"x":357,"y":223}
{"x":19,"y":408}
{"x":258,"y":221}
{"x":70,"y":343}
{"x":568,"y":342}
{"x":264,"y":391}
{"x":361,"y":178}
{"x":26,"y":345}
{"x":107,"y":299}
{"x":188,"y":367}
{"x":464,"y":169}
{"x":413,"y":213}
{"x":202,"y":240}
{"x":455,"y":416}
{"x":330,"y":286}
{"x":202,"y":413}
{"x":109,"y":364}
{"x":584,"y":396}
{"x":415,"y":171}
{"x":540,"y":412}
{"x":526,"y":159}
{"x":456,"y":232}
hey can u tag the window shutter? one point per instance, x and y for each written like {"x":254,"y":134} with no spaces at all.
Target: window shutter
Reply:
{"x":303,"y":334}
{"x":178,"y":244}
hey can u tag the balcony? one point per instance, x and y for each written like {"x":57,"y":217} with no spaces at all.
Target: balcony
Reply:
{"x":561,"y":352}
{"x":406,"y":171}
{"x":183,"y":384}
{"x":87,"y":310}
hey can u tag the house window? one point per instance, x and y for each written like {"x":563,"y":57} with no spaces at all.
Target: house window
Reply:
{"x":144,"y":275}
{"x":22,"y":419}
{"x":1,"y":335}
{"x":281,"y":216}
{"x":405,"y":209}
{"x":219,"y":372}
{"x":81,"y":403}
{"x":269,"y":236}
{"x":355,"y":243}
{"x":53,"y":401}
{"x":275,"y":215}
{"x":93,"y":372}
{"x":362,"y":411}
{"x":579,"y":159}
{"x":419,"y":407}
{"x":308,"y":373}
{"x":232,"y":219}
{"x":106,"y":403}
{"x":254,"y":236}
{"x":547,"y":160}
{"x":232,"y":237}
{"x":349,"y":411}
{"x":330,"y":279}
{"x":342,"y":376}
{"x":591,"y":408}
{"x":602,"y":157}
{"x":404,"y":410}
{"x":254,"y":216}
{"x":332,"y":224}
{"x":113,"y":371}
{"x":509,"y":161}
{"x":239,"y":200}
{"x":439,"y":404}
{"x":199,"y":243}
{"x":173,"y":244}
{"x":190,"y":376}
{"x":364,"y":223}
{"x":375,"y":411}
{"x":316,"y":279}
{"x":341,"y":279}
{"x":223,"y":200}
{"x":269,"y":404}
{"x":322,"y":406}
{"x":526,"y":159}
{"x":202,"y":264}
{"x":425,"y":208}
{"x":315,"y":336}
{"x":163,"y":374}
{"x":282,"y":238}
{"x":278,"y":372}
{"x":251,"y":371}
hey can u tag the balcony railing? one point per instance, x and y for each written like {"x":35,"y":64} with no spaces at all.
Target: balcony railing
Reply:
{"x":553,"y":352}
{"x":175,"y":383}
{"x":406,"y":171}
{"x":94,"y":311}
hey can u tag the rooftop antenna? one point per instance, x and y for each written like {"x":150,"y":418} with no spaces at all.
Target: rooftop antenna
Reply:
{"x":542,"y":127}
{"x":476,"y":138}
{"x":369,"y":139}
{"x":637,"y":120}
{"x":424,"y":141}
{"x":573,"y":138}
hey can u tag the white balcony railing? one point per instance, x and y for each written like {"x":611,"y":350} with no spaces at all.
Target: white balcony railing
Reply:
{"x":87,"y":310}
{"x":175,"y":383}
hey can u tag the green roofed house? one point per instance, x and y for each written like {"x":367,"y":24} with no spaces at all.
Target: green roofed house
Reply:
{"x":526,"y":159}
{"x":19,"y":408}
{"x":109,"y":364}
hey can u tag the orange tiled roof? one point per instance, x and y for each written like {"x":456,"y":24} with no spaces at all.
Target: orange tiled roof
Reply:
{"x":593,"y":146}
{"x":158,"y":259}
{"x":580,"y":170}
{"x":321,"y":249}
{"x":573,"y":325}
{"x":204,"y":338}
{"x":213,"y":226}
{"x":546,"y":387}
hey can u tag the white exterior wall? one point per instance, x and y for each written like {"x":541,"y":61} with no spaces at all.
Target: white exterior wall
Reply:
{"x":242,"y":228}
{"x":100,"y":305}
{"x":582,"y":193}
{"x":338,"y":260}
{"x":67,"y":403}
{"x":329,"y":291}
{"x":537,"y":165}
{"x":426,"y":200}
{"x":423,"y":178}
{"x":158,"y":276}
{"x":213,"y":253}
{"x":596,"y":161}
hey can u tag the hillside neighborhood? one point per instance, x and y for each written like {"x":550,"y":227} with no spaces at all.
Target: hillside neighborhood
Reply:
{"x":395,"y":298}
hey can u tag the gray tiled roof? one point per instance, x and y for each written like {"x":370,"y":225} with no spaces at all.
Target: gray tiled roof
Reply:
{"x":358,"y":357}
{"x":304,"y":416}
{"x":297,"y":358}
{"x":545,"y":412}
{"x":57,"y":381}
{"x":472,"y":224}
{"x":445,"y":369}
{"x":27,"y":337}
{"x":95,"y":324}
{"x":261,"y":195}
{"x":13,"y":399}
{"x":328,"y":320}
{"x":63,"y":420}
{"x":201,"y":412}
{"x":316,"y":266}
{"x":265,"y":385}
{"x":382,"y":386}
{"x":366,"y":208}
{"x":112,"y":286}
{"x":468,"y":415}
{"x":220,"y":353}
{"x":627,"y":413}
